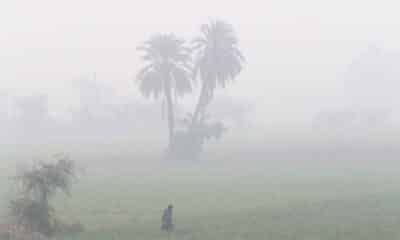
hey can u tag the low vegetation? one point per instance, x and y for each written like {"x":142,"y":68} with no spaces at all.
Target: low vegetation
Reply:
{"x":300,"y":200}
{"x":31,"y":209}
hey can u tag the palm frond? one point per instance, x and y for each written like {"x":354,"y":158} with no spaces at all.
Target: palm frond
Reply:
{"x":167,"y":59}
{"x":217,"y":57}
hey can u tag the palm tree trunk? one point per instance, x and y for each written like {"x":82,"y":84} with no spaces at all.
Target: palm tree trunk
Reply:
{"x":170,"y":110}
{"x":200,"y":104}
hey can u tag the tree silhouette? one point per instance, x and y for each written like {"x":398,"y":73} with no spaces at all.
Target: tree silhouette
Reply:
{"x":32,"y":208}
{"x":190,"y":140}
{"x":166,"y":72}
{"x":218,"y":60}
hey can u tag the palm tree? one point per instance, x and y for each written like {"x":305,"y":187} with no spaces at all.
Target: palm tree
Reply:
{"x":218,"y":60}
{"x":166,"y":72}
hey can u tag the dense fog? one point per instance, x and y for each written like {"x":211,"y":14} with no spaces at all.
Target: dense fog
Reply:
{"x":192,"y":120}
{"x":360,"y":111}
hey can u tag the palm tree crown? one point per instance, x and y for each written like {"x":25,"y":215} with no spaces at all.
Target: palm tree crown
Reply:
{"x":218,"y":59}
{"x":168,"y":62}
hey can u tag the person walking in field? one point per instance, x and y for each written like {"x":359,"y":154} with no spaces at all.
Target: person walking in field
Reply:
{"x":166,"y":220}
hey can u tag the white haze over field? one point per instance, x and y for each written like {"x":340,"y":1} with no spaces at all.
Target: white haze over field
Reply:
{"x":330,"y":64}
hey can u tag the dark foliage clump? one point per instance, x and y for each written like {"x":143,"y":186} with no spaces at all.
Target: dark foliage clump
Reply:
{"x":189,"y":142}
{"x":37,"y":185}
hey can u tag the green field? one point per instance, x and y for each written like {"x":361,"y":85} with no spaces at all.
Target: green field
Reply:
{"x":123,"y":199}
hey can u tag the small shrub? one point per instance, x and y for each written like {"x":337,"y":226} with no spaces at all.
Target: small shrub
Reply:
{"x":32,"y":208}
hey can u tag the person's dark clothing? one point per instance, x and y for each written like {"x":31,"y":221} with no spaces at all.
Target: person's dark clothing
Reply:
{"x":167,"y":224}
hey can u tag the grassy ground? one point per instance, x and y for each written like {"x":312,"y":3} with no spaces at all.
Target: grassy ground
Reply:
{"x":269,"y":201}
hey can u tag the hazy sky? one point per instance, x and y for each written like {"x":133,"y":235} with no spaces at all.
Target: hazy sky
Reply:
{"x":295,"y":49}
